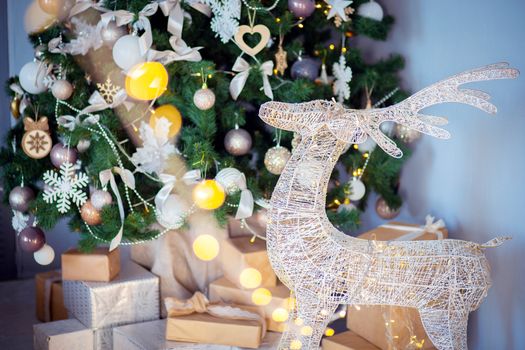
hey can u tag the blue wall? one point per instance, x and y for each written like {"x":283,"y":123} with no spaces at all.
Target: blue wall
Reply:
{"x":475,"y":181}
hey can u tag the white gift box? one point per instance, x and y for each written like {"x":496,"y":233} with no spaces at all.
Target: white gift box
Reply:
{"x":152,"y":336}
{"x":131,"y":297}
{"x":62,"y":335}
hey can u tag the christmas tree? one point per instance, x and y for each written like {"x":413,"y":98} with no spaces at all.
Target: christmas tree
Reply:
{"x":127,"y":97}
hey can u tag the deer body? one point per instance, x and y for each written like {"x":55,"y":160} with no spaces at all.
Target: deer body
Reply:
{"x":444,"y":280}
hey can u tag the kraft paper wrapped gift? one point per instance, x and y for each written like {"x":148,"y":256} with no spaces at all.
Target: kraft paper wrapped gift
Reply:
{"x":151,"y":336}
{"x":196,"y":320}
{"x":239,"y":254}
{"x":62,"y":335}
{"x":347,"y":341}
{"x":132,"y":297}
{"x":100,"y":265}
{"x":222,"y":290}
{"x":394,"y":327}
{"x":236,"y":228}
{"x":49,"y":297}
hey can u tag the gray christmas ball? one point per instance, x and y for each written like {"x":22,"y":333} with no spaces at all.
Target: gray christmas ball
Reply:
{"x":204,"y":99}
{"x":20,"y":197}
{"x":238,"y":142}
{"x":305,"y":68}
{"x":39,"y":51}
{"x":31,"y":239}
{"x":62,"y":89}
{"x":61,"y":154}
{"x":100,"y":198}
{"x":111,"y":33}
{"x":276,"y":158}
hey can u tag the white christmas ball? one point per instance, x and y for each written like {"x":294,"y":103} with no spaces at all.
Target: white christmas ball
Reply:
{"x":371,"y":10}
{"x":172,"y":213}
{"x":62,"y":89}
{"x":229,"y":179}
{"x":368,"y":146}
{"x":357,"y":190}
{"x":100,"y":198}
{"x":83,"y":145}
{"x":347,"y":207}
{"x":45,"y":255}
{"x":126,"y":52}
{"x":204,"y":99}
{"x":32,"y":77}
{"x":111,"y":33}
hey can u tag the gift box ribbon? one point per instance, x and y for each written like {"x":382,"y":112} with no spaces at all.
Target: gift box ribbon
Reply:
{"x":198,"y":303}
{"x":416,"y":232}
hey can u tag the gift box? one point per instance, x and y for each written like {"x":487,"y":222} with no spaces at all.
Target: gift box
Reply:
{"x":131,"y":297}
{"x":100,"y":265}
{"x":62,"y":335}
{"x":347,"y":341}
{"x":242,"y":258}
{"x":151,"y":336}
{"x":49,"y":297}
{"x":253,"y":224}
{"x":267,"y":301}
{"x":196,"y":320}
{"x":394,"y":327}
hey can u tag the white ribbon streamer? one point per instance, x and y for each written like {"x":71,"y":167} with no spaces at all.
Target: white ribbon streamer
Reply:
{"x":83,"y":5}
{"x":416,"y":232}
{"x":69,"y":122}
{"x":127,"y":177}
{"x":243,"y":71}
{"x":98,"y":103}
{"x":123,"y":17}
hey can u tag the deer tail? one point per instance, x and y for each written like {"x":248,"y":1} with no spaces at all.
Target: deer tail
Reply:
{"x":495,"y":242}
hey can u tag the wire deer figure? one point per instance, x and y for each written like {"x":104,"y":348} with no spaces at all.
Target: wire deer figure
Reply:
{"x":444,"y":279}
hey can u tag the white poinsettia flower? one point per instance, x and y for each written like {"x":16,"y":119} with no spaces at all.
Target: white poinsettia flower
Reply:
{"x":156,"y":147}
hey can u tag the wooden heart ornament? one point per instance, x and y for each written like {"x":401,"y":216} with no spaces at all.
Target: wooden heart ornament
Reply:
{"x":260,"y":29}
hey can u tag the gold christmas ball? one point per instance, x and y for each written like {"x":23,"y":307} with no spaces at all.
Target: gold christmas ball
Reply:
{"x":208,"y":194}
{"x":171,"y":113}
{"x":15,"y":107}
{"x":90,"y":214}
{"x":37,"y":20}
{"x":276,"y":158}
{"x":204,"y":99}
{"x":384,"y":211}
{"x":147,"y":81}
{"x":406,"y":134}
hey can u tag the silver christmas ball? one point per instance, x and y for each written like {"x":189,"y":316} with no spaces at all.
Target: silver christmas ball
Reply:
{"x":20,"y":197}
{"x":276,"y":158}
{"x":83,"y":145}
{"x":40,"y":50}
{"x":406,"y":134}
{"x":371,"y":10}
{"x":61,"y":154}
{"x":62,"y":89}
{"x":100,"y":198}
{"x":238,"y":142}
{"x":204,"y":99}
{"x":305,"y":68}
{"x":111,"y":33}
{"x":357,"y":189}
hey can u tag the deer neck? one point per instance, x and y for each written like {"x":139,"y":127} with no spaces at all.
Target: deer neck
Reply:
{"x":304,"y":181}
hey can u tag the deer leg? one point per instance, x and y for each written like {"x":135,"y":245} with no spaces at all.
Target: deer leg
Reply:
{"x":306,"y":324}
{"x":446,"y":328}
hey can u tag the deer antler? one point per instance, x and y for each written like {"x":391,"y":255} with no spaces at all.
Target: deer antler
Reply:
{"x":407,"y":111}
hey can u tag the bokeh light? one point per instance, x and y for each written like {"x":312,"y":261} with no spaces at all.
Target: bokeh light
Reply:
{"x":206,"y":247}
{"x":250,"y":278}
{"x":261,"y":296}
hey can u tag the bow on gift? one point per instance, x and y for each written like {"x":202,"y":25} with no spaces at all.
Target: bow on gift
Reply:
{"x":83,"y":5}
{"x":127,"y":177}
{"x":198,"y":303}
{"x":98,"y":103}
{"x":39,"y":124}
{"x":415,"y":232}
{"x":123,"y":17}
{"x":245,"y":209}
{"x":243,"y":71}
{"x":69,"y":122}
{"x":191,"y":177}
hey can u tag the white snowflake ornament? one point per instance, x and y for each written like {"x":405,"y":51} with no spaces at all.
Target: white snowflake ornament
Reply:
{"x":65,"y":187}
{"x":226,"y":15}
{"x":156,"y":147}
{"x":343,"y":75}
{"x":19,"y":221}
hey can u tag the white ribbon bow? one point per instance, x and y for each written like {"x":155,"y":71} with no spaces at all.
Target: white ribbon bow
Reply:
{"x":245,"y":209}
{"x":127,"y":177}
{"x":191,"y":177}
{"x":17,"y":89}
{"x":56,"y":45}
{"x":69,"y":122}
{"x":83,"y":5}
{"x":98,"y":103}
{"x":243,"y":71}
{"x":415,"y":232}
{"x":123,"y":17}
